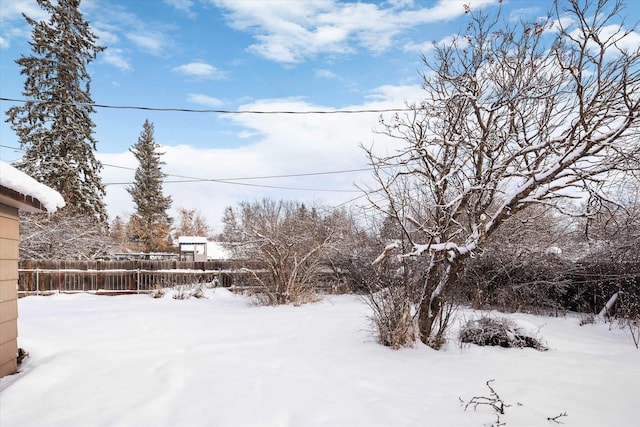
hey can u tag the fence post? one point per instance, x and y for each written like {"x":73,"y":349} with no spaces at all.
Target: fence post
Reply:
{"x":37,"y":281}
{"x":138,"y":282}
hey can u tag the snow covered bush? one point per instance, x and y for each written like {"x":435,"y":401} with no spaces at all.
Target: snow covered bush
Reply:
{"x":181,"y":292}
{"x":64,"y":236}
{"x":499,"y":331}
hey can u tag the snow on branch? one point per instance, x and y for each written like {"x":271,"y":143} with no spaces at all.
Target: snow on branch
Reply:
{"x":387,"y":250}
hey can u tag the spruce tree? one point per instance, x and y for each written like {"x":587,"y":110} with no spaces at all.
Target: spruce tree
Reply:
{"x":54,"y":124}
{"x":150,"y":225}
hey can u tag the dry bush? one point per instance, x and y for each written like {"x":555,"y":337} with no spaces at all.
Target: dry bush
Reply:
{"x":296,"y":296}
{"x":158,"y":292}
{"x":291,"y":244}
{"x":392,"y":317}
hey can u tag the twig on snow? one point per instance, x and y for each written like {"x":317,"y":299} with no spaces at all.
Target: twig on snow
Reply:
{"x":557,"y":417}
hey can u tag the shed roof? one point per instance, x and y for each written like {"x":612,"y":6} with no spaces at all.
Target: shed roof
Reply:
{"x":19,"y":190}
{"x":191,"y":240}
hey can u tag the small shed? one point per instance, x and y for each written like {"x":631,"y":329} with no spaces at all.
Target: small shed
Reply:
{"x":18,"y":192}
{"x":193,"y":248}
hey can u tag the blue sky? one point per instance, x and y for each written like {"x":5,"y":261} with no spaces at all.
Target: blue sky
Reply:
{"x":249,"y":55}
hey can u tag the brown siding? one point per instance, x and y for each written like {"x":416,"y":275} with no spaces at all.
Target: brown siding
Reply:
{"x":9,"y":229}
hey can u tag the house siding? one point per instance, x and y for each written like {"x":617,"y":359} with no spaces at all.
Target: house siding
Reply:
{"x":9,"y":236}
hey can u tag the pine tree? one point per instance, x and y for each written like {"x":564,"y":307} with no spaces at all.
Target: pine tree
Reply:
{"x":150,"y":225}
{"x":118,"y":232}
{"x":54,"y":125}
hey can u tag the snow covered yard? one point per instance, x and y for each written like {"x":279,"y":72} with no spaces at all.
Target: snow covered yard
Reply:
{"x":138,"y":361}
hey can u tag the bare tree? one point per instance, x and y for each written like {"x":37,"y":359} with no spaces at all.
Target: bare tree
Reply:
{"x":191,"y":223}
{"x":290,"y":241}
{"x":63,"y":237}
{"x":513,"y":116}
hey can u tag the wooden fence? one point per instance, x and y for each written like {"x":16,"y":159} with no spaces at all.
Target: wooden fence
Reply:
{"x":47,"y":276}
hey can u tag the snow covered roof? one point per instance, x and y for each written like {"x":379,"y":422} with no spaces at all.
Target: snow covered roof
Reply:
{"x":215,"y":250}
{"x":191,"y":240}
{"x":20,"y":190}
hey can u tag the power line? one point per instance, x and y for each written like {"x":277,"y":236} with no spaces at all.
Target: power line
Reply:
{"x":221,"y":181}
{"x":189,"y":179}
{"x":216,"y":111}
{"x":233,"y":181}
{"x":293,"y":175}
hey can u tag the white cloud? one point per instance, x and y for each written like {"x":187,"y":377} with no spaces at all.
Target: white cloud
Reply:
{"x":524,"y":14}
{"x":290,"y":32}
{"x":201,"y":70}
{"x":117,"y":26}
{"x":105,"y":36}
{"x":12,"y":11}
{"x":614,"y":36}
{"x":115,"y":57}
{"x":12,"y":23}
{"x":183,"y":5}
{"x":151,"y":42}
{"x":629,"y":43}
{"x":423,"y":47}
{"x":325,"y":74}
{"x":277,"y":145}
{"x":209,"y":101}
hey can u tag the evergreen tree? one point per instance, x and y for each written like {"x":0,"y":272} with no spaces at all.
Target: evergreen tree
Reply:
{"x":118,"y":232}
{"x":150,"y":225}
{"x":54,"y":125}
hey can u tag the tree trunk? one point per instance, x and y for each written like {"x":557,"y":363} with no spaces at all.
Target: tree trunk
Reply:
{"x":428,"y":313}
{"x":429,"y":310}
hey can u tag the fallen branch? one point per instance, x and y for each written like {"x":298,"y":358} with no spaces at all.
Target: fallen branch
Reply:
{"x":557,"y":417}
{"x":493,"y":400}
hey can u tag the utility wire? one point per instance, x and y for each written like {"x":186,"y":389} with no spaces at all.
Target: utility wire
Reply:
{"x":194,"y":179}
{"x":221,"y":181}
{"x":233,"y":181}
{"x":293,"y":175}
{"x":189,"y":179}
{"x":217,"y":111}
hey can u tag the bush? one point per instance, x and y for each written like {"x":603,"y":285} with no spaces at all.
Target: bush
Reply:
{"x":158,"y":292}
{"x":180,"y":292}
{"x":503,"y":332}
{"x":392,"y":317}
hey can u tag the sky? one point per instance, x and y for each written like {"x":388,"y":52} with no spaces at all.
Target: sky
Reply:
{"x":245,"y":55}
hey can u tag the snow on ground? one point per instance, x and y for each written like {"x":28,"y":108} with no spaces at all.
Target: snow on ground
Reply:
{"x":138,"y":361}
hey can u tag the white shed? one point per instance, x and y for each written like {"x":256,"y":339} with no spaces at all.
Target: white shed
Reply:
{"x":193,"y":248}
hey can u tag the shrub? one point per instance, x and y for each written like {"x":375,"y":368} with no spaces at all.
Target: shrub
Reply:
{"x":181,"y":292}
{"x":392,"y":317}
{"x":158,"y":292}
{"x":503,"y":332}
